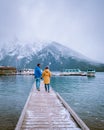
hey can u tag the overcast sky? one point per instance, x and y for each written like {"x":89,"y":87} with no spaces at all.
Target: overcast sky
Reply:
{"x":78,"y":24}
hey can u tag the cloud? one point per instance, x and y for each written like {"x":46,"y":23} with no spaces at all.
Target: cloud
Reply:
{"x":77,"y":24}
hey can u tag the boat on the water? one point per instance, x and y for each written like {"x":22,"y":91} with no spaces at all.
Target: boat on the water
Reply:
{"x":72,"y":72}
{"x":91,"y":73}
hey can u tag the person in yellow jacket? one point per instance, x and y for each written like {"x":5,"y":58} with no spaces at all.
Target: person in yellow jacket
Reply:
{"x":46,"y":77}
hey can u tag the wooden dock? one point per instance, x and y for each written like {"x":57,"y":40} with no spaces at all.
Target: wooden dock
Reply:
{"x":48,"y":111}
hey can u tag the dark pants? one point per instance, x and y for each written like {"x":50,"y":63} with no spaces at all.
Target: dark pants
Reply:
{"x":47,"y":87}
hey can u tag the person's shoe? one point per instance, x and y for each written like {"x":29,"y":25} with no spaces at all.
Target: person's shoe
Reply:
{"x":48,"y":91}
{"x":38,"y":89}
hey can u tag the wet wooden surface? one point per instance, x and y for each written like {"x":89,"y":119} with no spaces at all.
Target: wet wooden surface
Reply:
{"x":44,"y":111}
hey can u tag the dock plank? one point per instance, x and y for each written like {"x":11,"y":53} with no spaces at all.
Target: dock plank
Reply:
{"x":45,"y":111}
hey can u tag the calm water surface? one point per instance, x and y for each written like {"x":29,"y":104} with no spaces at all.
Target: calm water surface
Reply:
{"x":85,"y":95}
{"x":14,"y":91}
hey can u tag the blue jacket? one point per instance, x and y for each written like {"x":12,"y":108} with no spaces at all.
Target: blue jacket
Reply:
{"x":37,"y":72}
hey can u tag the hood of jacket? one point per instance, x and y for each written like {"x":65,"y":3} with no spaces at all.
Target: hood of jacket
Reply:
{"x":46,"y":71}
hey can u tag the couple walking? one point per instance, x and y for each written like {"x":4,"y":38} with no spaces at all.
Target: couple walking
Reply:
{"x":46,"y":74}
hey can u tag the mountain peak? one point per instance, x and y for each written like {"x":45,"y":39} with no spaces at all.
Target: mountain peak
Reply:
{"x":57,"y":56}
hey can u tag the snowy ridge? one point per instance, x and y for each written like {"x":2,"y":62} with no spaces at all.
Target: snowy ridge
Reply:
{"x":20,"y":49}
{"x":60,"y":50}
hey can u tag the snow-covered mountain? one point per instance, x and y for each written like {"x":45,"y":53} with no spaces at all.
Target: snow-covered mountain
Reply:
{"x":20,"y":49}
{"x":27,"y":55}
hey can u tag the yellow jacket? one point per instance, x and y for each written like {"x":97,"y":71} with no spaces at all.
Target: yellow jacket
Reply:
{"x":46,"y":76}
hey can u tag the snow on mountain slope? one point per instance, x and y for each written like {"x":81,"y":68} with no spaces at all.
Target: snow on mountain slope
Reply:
{"x":29,"y":53}
{"x":58,"y":50}
{"x":20,"y":49}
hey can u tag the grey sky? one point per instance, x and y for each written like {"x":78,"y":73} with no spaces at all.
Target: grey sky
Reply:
{"x":78,"y":24}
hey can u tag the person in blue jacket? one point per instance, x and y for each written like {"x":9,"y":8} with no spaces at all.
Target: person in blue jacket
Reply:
{"x":38,"y":74}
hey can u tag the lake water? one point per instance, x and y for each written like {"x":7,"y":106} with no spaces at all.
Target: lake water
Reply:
{"x":84,"y":95}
